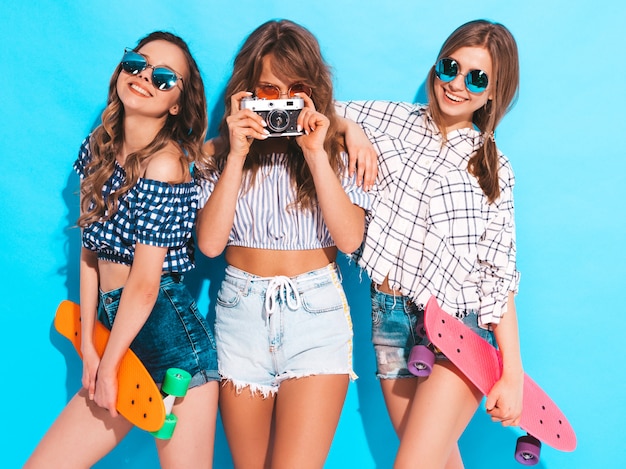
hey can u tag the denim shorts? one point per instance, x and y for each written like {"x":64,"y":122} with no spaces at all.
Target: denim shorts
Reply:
{"x":175,"y":334}
{"x":269,"y":329}
{"x":394,"y":319}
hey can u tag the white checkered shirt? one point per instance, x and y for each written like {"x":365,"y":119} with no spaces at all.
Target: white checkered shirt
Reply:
{"x":430,"y":229}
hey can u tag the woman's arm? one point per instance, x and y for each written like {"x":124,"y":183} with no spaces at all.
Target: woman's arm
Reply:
{"x":140,"y":292}
{"x":362,"y":156}
{"x":88,"y":313}
{"x":344,"y":220}
{"x":215,"y":220}
{"x":504,"y":401}
{"x":458,"y":215}
{"x":136,"y":303}
{"x":499,"y":282}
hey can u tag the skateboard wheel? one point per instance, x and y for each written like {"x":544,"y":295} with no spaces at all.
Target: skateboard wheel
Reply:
{"x":176,"y":382}
{"x":527,"y":450}
{"x":167,"y":430}
{"x":421,"y":360}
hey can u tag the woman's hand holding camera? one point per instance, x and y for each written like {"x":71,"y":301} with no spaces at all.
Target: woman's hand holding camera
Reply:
{"x":244,"y":125}
{"x":315,"y":126}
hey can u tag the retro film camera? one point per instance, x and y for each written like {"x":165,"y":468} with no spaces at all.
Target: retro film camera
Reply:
{"x":280,"y":115}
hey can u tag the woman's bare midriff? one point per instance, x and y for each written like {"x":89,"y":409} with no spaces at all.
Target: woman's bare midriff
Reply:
{"x":261,"y":262}
{"x":270,"y":263}
{"x":384,"y":287}
{"x":112,"y":275}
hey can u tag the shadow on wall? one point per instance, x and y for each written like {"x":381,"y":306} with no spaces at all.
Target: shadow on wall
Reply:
{"x":70,"y":271}
{"x":379,"y":433}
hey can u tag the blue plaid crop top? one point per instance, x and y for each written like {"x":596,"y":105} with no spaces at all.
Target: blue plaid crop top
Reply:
{"x":152,"y":212}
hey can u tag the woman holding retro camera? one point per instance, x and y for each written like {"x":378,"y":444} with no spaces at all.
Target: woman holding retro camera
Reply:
{"x":282,"y":206}
{"x":138,"y":206}
{"x":442,"y":224}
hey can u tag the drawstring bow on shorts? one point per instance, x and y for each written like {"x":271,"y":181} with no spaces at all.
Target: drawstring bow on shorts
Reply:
{"x":287,"y":294}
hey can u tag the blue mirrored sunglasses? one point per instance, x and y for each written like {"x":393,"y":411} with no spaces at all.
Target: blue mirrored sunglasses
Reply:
{"x":447,"y":69}
{"x":163,"y":78}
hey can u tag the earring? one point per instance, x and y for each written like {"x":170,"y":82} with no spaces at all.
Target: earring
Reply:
{"x":491,"y":136}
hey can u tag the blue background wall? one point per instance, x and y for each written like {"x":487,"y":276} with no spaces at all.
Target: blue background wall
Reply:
{"x":564,"y":139}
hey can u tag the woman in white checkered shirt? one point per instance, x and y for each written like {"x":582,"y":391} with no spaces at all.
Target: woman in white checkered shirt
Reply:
{"x":442,"y":224}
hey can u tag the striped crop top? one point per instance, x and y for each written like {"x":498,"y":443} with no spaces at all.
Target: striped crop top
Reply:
{"x":266,"y":216}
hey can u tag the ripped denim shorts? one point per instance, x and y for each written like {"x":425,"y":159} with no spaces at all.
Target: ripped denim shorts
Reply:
{"x":270,"y":329}
{"x":393,"y":332}
{"x":175,"y":334}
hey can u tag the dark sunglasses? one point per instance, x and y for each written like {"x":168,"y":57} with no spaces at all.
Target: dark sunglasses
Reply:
{"x":163,"y":78}
{"x":447,"y":69}
{"x":269,"y":91}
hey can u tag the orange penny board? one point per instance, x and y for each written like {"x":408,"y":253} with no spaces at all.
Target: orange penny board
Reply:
{"x":482,"y":364}
{"x":139,"y":399}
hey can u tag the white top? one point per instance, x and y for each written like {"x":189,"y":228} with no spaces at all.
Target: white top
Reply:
{"x":431,"y":230}
{"x":266,"y":216}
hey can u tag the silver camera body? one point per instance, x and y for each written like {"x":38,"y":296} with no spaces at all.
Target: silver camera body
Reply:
{"x":280,"y":115}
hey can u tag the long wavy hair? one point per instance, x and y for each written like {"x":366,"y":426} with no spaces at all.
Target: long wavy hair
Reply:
{"x":187,"y":130}
{"x":296,"y":56}
{"x":502,"y":48}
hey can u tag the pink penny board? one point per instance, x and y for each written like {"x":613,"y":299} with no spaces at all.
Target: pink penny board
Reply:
{"x":482,"y":364}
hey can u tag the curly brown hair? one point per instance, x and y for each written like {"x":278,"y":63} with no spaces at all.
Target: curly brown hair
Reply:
{"x":187,"y":130}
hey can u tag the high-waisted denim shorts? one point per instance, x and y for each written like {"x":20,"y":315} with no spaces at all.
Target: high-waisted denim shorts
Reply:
{"x":393,"y":332}
{"x":269,"y":329}
{"x":175,"y":335}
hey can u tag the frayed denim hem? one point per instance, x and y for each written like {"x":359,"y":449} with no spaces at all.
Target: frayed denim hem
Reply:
{"x":291,"y":375}
{"x":265,"y":390}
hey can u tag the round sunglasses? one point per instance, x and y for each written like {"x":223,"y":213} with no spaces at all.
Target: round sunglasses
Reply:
{"x":163,"y":78}
{"x":269,"y":91}
{"x":447,"y":69}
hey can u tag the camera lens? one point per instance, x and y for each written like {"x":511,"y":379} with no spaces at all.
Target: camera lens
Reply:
{"x":278,"y":120}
